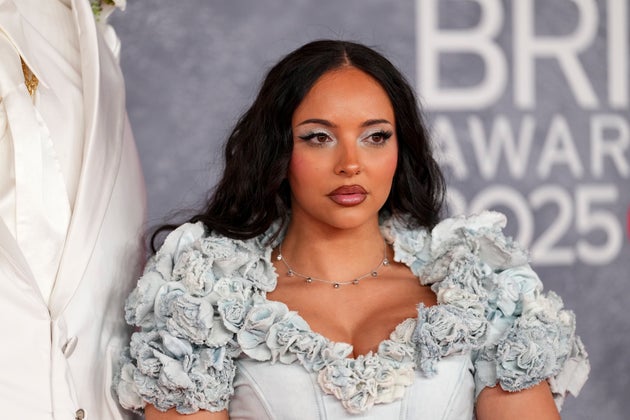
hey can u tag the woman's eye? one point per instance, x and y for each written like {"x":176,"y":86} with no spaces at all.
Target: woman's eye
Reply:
{"x":380,"y":137}
{"x":316,"y":138}
{"x":321,"y":137}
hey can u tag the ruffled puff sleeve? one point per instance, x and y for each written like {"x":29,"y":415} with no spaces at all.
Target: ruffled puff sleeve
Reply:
{"x":529,"y":337}
{"x":187,"y":307}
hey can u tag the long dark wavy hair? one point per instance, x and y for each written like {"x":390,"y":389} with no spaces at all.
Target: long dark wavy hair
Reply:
{"x":254,"y":191}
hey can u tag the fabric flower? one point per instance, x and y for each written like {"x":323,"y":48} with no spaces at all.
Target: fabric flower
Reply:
{"x":125,"y":388}
{"x":187,"y":316}
{"x":352,"y":381}
{"x":529,"y":354}
{"x":236,"y":288}
{"x":225,"y":255}
{"x":447,"y":329}
{"x":213,"y":373}
{"x":233,"y":313}
{"x":252,"y":337}
{"x":313,"y":350}
{"x":261,"y":272}
{"x":140,"y":304}
{"x":367,"y":380}
{"x":461,"y":269}
{"x":392,"y":381}
{"x":170,"y":373}
{"x":411,"y":246}
{"x":284,"y":334}
{"x":481,"y":233}
{"x":195,"y":272}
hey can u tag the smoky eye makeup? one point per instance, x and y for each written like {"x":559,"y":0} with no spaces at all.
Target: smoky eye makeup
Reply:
{"x":320,"y":137}
{"x":377,"y":137}
{"x":316,"y":137}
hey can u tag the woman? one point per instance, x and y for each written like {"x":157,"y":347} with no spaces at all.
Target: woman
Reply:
{"x":319,"y":284}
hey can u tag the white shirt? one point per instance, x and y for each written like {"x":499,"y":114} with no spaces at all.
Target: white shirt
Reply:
{"x":39,"y":179}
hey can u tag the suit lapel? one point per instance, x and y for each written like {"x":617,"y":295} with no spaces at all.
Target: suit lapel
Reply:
{"x":14,"y":26}
{"x":104,"y":108}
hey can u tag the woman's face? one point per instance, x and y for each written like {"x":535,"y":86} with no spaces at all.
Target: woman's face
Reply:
{"x":345,"y":151}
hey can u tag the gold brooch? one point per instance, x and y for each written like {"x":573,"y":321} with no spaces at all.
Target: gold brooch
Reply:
{"x":29,"y":79}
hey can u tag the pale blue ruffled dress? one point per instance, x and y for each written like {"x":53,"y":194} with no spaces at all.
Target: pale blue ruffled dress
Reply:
{"x":210,"y":339}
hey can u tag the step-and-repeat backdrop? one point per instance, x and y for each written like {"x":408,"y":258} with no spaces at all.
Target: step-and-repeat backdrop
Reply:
{"x":527,"y":101}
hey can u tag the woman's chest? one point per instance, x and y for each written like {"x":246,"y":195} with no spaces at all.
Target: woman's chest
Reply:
{"x":362,"y":316}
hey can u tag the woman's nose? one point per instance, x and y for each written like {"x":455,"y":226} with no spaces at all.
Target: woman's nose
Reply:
{"x":348,"y":162}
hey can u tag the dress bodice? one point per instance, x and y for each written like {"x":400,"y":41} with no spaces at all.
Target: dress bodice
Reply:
{"x":265,"y":391}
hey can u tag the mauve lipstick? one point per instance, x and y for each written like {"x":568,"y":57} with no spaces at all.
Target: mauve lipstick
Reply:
{"x":348,"y":195}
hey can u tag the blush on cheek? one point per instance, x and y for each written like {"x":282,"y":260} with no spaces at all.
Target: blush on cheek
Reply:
{"x":300,"y":164}
{"x":300,"y":171}
{"x":394,"y":161}
{"x":296,"y":166}
{"x":391,"y":163}
{"x":295,"y":161}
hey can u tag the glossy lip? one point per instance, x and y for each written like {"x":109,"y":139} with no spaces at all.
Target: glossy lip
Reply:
{"x":348,"y":195}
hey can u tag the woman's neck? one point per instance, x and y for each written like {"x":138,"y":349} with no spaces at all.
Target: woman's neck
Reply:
{"x":333,"y":254}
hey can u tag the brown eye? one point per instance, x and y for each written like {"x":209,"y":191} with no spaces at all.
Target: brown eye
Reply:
{"x":316,"y":138}
{"x":378,"y":138}
{"x":321,"y":138}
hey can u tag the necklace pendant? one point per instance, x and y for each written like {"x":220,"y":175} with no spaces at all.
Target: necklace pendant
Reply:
{"x":386,"y":261}
{"x":336,"y":285}
{"x":290,"y":273}
{"x":355,"y":281}
{"x":309,"y":280}
{"x":279,"y":257}
{"x":374,"y":273}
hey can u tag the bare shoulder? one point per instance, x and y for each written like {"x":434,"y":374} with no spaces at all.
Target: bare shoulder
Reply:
{"x":535,"y":403}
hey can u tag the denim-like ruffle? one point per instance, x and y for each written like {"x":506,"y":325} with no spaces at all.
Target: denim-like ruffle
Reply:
{"x":201,"y":303}
{"x":518,"y":335}
{"x":190,"y":302}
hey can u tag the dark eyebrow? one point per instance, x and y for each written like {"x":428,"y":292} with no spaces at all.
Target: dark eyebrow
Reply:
{"x":375,"y":122}
{"x":330,"y":124}
{"x":318,"y":121}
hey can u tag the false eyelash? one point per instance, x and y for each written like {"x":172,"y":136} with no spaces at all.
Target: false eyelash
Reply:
{"x":385,"y":134}
{"x":312,"y":135}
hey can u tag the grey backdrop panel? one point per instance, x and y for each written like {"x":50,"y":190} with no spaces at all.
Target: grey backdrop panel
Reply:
{"x":192,"y":67}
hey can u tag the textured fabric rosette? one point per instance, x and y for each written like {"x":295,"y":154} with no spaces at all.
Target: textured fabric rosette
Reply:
{"x":444,"y":330}
{"x":168,"y":372}
{"x":411,"y":246}
{"x":528,"y":337}
{"x":193,"y":297}
{"x":367,"y":380}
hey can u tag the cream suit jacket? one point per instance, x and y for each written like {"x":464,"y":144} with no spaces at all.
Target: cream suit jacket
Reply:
{"x":57,"y":360}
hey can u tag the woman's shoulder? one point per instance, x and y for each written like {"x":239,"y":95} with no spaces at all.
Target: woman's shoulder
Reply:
{"x":519,"y":334}
{"x":479,"y":235}
{"x":188,"y":305}
{"x":190,"y":237}
{"x":203,"y":265}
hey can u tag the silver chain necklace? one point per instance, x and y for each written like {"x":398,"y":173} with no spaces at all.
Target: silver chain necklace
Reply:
{"x":336,"y":284}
